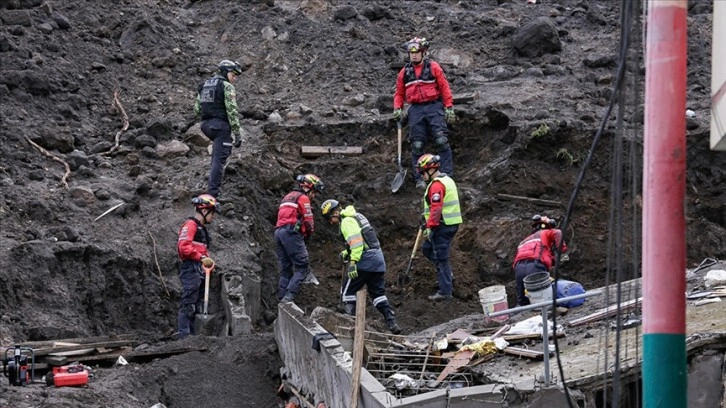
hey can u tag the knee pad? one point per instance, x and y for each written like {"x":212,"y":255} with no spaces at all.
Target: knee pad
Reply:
{"x":417,"y":147}
{"x":441,"y":142}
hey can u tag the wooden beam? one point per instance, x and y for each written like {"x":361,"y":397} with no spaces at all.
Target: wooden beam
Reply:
{"x":606,"y":312}
{"x":549,"y":203}
{"x":85,"y":348}
{"x":317,"y":151}
{"x":360,"y":325}
{"x":516,"y":351}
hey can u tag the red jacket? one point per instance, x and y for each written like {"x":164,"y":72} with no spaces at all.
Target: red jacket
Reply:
{"x":540,"y":246}
{"x":295,"y":208}
{"x":193,"y":241}
{"x":422,"y":85}
{"x":437,"y":192}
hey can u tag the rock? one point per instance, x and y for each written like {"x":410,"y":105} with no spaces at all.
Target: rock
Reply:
{"x":63,"y":142}
{"x":102,"y":194}
{"x":602,"y":61}
{"x":195,"y":136}
{"x":376,"y":12}
{"x":160,"y":128}
{"x":85,"y":172}
{"x":76,"y":159}
{"x":36,"y":175}
{"x":17,"y":18}
{"x":345,"y":13}
{"x":82,"y":196}
{"x":268,"y":33}
{"x":274,"y":117}
{"x":45,"y":28}
{"x":354,"y":100}
{"x":144,"y":141}
{"x":62,"y":21}
{"x":305,"y":110}
{"x":102,"y":146}
{"x":536,"y":38}
{"x":534,"y":72}
{"x":173,"y":148}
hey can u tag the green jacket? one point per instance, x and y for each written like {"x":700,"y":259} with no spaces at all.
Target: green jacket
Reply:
{"x":361,"y":241}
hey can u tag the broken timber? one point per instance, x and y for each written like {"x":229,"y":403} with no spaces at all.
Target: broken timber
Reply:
{"x":550,"y":203}
{"x":606,"y":312}
{"x":516,"y":351}
{"x":317,"y":151}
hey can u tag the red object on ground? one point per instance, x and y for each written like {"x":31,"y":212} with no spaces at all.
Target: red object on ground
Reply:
{"x":69,"y":376}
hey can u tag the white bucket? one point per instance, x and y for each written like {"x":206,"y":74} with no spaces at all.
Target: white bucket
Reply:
{"x":494,"y":299}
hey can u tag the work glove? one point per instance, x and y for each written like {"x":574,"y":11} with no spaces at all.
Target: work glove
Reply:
{"x":450,"y":115}
{"x":397,"y":114}
{"x":207,"y":262}
{"x":428,"y":234}
{"x":344,"y":256}
{"x":352,"y":271}
{"x":237,"y":139}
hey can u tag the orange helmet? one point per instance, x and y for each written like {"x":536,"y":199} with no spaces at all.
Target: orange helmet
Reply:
{"x":428,"y":161}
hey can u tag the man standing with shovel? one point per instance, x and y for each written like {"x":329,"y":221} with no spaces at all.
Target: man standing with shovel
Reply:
{"x":363,"y":254}
{"x":192,"y":246}
{"x":423,"y":84}
{"x":442,"y":213}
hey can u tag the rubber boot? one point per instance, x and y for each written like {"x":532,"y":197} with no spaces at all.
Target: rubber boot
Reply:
{"x":390,"y":317}
{"x":349,"y":309}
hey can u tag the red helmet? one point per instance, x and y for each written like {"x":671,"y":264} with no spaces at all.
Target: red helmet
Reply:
{"x":311,"y":181}
{"x":206,"y":201}
{"x":417,"y":44}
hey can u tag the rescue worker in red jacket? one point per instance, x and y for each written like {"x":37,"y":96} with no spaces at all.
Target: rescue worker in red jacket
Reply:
{"x":423,"y":85}
{"x":442,"y":215}
{"x":294,"y":227}
{"x":193,"y":249}
{"x":536,"y":253}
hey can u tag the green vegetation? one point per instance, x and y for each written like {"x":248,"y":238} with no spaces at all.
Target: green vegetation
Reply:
{"x":541,"y":131}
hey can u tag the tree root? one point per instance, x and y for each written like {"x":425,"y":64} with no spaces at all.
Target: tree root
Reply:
{"x":158,"y":268}
{"x":54,"y":157}
{"x":124,"y":116}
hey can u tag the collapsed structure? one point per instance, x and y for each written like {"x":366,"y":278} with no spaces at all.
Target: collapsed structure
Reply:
{"x":436,"y":368}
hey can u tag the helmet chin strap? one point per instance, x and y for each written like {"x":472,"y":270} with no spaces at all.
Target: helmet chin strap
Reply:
{"x":205,"y":213}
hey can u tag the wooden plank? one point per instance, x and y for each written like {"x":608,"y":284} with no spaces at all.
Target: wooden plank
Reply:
{"x":360,"y":325}
{"x":317,"y":151}
{"x":77,"y":340}
{"x":549,"y":203}
{"x":516,"y":351}
{"x":83,"y":346}
{"x":461,"y":359}
{"x":606,"y":312}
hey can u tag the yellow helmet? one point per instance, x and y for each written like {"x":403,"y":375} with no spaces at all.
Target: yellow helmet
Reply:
{"x":328,"y":208}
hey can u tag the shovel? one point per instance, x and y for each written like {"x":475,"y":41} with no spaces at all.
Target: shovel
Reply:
{"x":201,"y":320}
{"x":401,"y":175}
{"x":405,"y":278}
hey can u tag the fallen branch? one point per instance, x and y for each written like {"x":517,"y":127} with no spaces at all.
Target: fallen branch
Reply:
{"x":156,"y":260}
{"x":108,"y":211}
{"x":124,"y":116}
{"x":56,"y":158}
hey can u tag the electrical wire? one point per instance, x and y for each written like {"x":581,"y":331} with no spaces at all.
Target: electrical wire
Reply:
{"x":626,"y":26}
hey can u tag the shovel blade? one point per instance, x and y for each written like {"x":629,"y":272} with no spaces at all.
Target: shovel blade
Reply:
{"x":203,"y":324}
{"x":398,"y":180}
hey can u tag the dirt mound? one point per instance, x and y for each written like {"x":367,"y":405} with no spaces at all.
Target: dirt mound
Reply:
{"x":316,"y":73}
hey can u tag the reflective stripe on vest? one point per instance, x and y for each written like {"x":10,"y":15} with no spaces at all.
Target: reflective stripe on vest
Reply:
{"x":451,"y":211}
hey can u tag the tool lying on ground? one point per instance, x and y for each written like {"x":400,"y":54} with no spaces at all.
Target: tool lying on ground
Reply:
{"x":401,"y":175}
{"x":16,"y":367}
{"x":405,"y":277}
{"x":73,"y":375}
